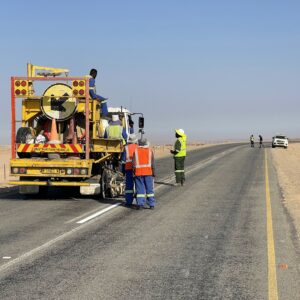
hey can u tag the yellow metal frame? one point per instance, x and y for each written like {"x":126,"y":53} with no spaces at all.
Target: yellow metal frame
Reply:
{"x":34,"y":167}
{"x":32,"y":71}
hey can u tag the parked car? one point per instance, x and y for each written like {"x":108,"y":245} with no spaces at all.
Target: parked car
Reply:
{"x":280,"y":141}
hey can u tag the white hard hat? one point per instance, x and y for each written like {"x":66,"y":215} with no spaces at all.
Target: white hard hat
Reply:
{"x":132,"y":138}
{"x":115,"y":118}
{"x":179,"y":131}
{"x":144,"y":142}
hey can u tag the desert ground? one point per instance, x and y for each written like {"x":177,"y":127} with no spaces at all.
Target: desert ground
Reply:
{"x":287,"y":163}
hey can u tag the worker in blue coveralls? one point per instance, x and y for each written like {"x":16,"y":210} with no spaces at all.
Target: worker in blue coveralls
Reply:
{"x":93,"y":93}
{"x":127,"y":156}
{"x":144,"y":170}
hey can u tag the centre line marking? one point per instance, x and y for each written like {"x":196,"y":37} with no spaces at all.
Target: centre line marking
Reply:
{"x":272,"y":278}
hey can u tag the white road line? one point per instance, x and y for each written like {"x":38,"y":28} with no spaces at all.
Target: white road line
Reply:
{"x":83,"y":215}
{"x":61,"y":237}
{"x":167,"y":179}
{"x":44,"y":246}
{"x":99,"y":213}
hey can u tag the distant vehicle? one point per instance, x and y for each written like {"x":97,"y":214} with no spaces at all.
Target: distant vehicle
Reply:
{"x":280,"y":141}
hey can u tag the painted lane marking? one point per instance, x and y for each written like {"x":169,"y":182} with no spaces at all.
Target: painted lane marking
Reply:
{"x":167,"y":179}
{"x":65,"y":235}
{"x":272,"y":278}
{"x":6,"y":257}
{"x":99,"y":213}
{"x":82,"y":215}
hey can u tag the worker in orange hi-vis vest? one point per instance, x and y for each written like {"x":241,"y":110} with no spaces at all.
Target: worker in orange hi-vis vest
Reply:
{"x":144,"y":171}
{"x":127,"y":163}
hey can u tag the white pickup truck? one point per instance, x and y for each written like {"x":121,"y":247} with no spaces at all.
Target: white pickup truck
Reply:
{"x":280,"y":141}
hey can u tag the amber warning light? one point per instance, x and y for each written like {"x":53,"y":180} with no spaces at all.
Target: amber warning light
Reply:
{"x":21,"y":88}
{"x":78,"y":88}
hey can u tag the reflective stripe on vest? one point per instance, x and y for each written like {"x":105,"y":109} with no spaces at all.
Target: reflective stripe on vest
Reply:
{"x":129,"y":150}
{"x":114,"y":132}
{"x":142,"y":161}
{"x":182,"y":151}
{"x":93,"y":88}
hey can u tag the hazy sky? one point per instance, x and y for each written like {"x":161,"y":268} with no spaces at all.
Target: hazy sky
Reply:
{"x":218,"y":69}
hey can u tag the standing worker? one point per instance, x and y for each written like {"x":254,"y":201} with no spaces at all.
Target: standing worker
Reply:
{"x":127,"y":159}
{"x":261,"y":142}
{"x":179,"y":153}
{"x":252,"y":141}
{"x":144,"y":171}
{"x":93,"y":93}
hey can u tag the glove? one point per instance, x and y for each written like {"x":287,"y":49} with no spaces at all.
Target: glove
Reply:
{"x":172,"y":151}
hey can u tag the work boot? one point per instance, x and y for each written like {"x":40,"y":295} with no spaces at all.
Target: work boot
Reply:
{"x":151,"y":207}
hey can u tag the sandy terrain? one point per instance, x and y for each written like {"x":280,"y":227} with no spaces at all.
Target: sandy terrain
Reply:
{"x":4,"y":165}
{"x":287,"y":163}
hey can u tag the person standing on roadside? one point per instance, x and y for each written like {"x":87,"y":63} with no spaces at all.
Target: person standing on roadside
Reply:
{"x":252,"y":141}
{"x":127,"y":160}
{"x":179,"y":153}
{"x":261,"y":142}
{"x":144,"y":171}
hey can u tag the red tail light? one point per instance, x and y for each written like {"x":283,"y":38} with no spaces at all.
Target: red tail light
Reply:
{"x":17,"y":83}
{"x":75,"y":83}
{"x":22,"y":170}
{"x":81,"y":92}
{"x":18,"y":92}
{"x":81,"y":83}
{"x":23,"y":83}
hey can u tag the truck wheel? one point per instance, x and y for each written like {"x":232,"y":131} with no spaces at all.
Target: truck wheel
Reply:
{"x":23,"y":135}
{"x":103,"y":184}
{"x":273,"y":146}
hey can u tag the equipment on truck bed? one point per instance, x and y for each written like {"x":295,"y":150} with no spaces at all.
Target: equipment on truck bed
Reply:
{"x":61,"y":139}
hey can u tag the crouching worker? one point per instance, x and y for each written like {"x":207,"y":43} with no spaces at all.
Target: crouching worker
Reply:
{"x":127,"y":160}
{"x":144,"y":171}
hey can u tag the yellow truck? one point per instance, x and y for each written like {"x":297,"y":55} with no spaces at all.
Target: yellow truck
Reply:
{"x":57,"y":135}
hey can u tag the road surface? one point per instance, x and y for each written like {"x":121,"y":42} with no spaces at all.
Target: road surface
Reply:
{"x":224,"y":235}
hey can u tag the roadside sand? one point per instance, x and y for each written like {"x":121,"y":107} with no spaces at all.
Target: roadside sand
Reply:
{"x":4,"y":165}
{"x":287,"y":163}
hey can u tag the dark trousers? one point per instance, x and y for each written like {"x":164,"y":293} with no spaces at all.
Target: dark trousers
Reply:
{"x":179,"y":169}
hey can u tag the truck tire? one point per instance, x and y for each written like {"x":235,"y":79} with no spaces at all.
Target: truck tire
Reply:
{"x":104,"y":190}
{"x":22,"y":135}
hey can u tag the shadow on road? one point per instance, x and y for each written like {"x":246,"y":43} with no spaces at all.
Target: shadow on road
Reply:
{"x":163,"y":183}
{"x":56,"y":194}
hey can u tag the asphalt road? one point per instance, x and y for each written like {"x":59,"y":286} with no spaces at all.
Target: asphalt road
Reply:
{"x":214,"y":238}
